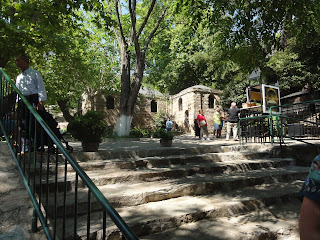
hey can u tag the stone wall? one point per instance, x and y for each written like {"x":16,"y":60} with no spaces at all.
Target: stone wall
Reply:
{"x":143,"y":117}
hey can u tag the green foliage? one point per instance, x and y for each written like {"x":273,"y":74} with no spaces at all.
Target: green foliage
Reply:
{"x":296,"y":66}
{"x":90,"y":127}
{"x":190,"y":61}
{"x":308,"y":50}
{"x":162,"y":133}
{"x":138,"y":132}
{"x":158,"y":117}
{"x":34,"y":23}
{"x":254,"y":23}
{"x":215,"y":43}
{"x":234,"y":91}
{"x":71,"y":53}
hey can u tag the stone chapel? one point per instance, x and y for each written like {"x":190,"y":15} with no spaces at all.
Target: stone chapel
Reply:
{"x":182,"y":107}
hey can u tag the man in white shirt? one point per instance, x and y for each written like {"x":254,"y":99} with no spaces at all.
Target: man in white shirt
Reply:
{"x":31,"y":85}
{"x":30,"y":81}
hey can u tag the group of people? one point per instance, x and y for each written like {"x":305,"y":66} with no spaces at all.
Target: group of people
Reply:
{"x":201,"y":125}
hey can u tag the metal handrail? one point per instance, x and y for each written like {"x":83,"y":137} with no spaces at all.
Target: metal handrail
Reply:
{"x":106,"y":206}
{"x":278,"y":116}
{"x":293,"y":104}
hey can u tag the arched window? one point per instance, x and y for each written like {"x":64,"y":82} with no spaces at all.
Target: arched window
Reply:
{"x":186,"y":114}
{"x":110,"y":102}
{"x":180,"y":104}
{"x":154,"y":106}
{"x":211,"y":101}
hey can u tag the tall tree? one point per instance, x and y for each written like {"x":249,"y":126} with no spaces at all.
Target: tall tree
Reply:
{"x":135,"y":26}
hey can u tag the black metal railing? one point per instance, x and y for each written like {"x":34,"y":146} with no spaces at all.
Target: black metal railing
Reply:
{"x":299,"y":121}
{"x":66,"y":201}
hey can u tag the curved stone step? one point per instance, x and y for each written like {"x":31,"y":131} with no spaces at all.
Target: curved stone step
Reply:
{"x":155,"y":217}
{"x":134,"y":154}
{"x":124,"y":194}
{"x":279,"y":221}
{"x":114,"y":175}
{"x":151,"y":162}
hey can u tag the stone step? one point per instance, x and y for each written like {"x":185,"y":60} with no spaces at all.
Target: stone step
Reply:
{"x":164,"y":161}
{"x":150,"y":162}
{"x":135,"y":154}
{"x":155,"y":217}
{"x":114,"y":175}
{"x":122,"y":194}
{"x":279,"y":221}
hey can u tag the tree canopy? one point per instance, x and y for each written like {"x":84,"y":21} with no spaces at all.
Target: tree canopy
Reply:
{"x":218,"y":43}
{"x":85,"y":46}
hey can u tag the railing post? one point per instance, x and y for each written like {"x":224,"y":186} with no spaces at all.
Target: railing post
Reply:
{"x":1,"y":83}
{"x":271,"y":127}
{"x":34,"y":223}
{"x":1,"y":91}
{"x":239,"y":130}
{"x":278,"y":129}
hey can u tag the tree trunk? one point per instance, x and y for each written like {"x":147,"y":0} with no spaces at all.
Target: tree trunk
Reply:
{"x":63,"y":104}
{"x":136,"y":81}
{"x":130,"y":90}
{"x":125,"y":117}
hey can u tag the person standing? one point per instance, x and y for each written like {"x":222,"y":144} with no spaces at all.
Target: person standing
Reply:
{"x":309,"y":219}
{"x":232,"y":121}
{"x":202,"y":123}
{"x":163,"y":123}
{"x":196,"y":127}
{"x":31,"y":85}
{"x":169,"y":125}
{"x":217,"y":123}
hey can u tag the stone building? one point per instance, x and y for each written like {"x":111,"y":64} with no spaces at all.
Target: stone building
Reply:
{"x":185,"y":106}
{"x":148,"y":104}
{"x":181,"y":108}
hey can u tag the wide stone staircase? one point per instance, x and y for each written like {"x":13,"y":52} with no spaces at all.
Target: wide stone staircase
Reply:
{"x":209,"y":192}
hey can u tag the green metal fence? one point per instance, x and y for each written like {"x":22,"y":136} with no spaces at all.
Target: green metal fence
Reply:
{"x":55,"y":190}
{"x":299,"y":121}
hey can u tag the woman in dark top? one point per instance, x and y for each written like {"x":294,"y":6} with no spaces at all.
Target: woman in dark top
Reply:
{"x":196,"y":128}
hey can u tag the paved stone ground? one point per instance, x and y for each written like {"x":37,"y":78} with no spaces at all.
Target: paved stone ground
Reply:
{"x":182,"y":141}
{"x":15,"y":205}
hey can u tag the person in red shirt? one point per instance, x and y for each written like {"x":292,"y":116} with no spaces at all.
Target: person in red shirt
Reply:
{"x":202,"y":123}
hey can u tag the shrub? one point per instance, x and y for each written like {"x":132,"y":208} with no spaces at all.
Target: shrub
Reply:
{"x":90,"y":127}
{"x":162,"y":133}
{"x":138,"y":132}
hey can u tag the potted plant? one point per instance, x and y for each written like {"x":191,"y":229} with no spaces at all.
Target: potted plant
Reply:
{"x":165,"y":137}
{"x":89,"y":128}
